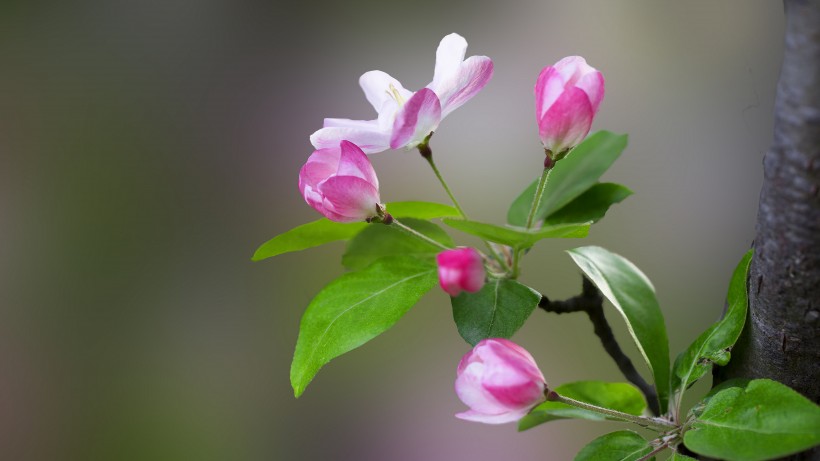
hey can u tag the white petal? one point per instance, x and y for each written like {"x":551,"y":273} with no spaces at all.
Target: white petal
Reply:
{"x":370,"y":141}
{"x":377,"y":88}
{"x":449,"y":56}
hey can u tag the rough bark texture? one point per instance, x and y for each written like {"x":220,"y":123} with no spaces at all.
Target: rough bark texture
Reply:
{"x":781,"y":339}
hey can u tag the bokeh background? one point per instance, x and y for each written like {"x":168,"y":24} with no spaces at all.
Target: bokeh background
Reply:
{"x":148,"y":147}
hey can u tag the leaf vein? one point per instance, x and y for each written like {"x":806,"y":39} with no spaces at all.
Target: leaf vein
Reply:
{"x":373,"y":295}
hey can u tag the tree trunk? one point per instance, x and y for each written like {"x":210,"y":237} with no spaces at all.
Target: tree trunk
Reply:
{"x":781,"y":339}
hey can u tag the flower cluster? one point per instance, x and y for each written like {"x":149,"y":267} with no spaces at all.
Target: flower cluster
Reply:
{"x":498,"y":379}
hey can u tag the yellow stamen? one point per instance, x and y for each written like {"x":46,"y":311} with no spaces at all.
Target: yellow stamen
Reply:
{"x":394,"y":93}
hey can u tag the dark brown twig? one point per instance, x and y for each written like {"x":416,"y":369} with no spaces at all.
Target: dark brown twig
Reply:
{"x":592,"y":302}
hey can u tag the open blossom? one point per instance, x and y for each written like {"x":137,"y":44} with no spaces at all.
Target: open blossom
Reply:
{"x":340,"y":183}
{"x":405,"y":118}
{"x":461,"y":269}
{"x":499,"y":381}
{"x":567,"y":97}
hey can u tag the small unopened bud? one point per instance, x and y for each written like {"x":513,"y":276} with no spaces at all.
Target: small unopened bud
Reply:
{"x":567,"y":97}
{"x":499,"y":381}
{"x":461,"y":269}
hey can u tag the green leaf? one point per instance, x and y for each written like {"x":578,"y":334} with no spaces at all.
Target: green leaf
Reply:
{"x":570,"y":177}
{"x":498,"y":310}
{"x":713,"y":344}
{"x":517,"y":238}
{"x":633,"y":295}
{"x":420,"y":210}
{"x":324,"y":230}
{"x":377,"y":242}
{"x":615,"y":446}
{"x":760,"y":420}
{"x":356,"y":308}
{"x":615,"y":396}
{"x":679,"y":457}
{"x":592,"y":205}
{"x":307,"y":236}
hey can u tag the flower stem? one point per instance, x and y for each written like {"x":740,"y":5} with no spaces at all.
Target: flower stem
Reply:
{"x":444,"y":184}
{"x":536,"y":200}
{"x":654,"y":452}
{"x":418,"y":234}
{"x":654,"y":424}
{"x":427,"y":153}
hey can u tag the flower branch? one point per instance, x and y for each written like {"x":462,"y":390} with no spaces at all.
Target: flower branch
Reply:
{"x":591,"y":302}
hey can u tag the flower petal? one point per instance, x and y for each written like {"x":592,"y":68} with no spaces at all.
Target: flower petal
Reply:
{"x":353,"y":198}
{"x":470,"y":390}
{"x":449,"y":56}
{"x":471,"y":76}
{"x":347,"y":123}
{"x":320,"y":165}
{"x":502,"y":418}
{"x":593,"y":84}
{"x":376,"y":86}
{"x":370,"y":138}
{"x":548,"y":87}
{"x":416,"y":119}
{"x":354,"y":162}
{"x":567,"y":121}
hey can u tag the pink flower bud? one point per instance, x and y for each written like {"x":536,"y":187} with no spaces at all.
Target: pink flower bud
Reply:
{"x":567,"y":96}
{"x":460,"y":269}
{"x":340,"y":183}
{"x":499,"y":381}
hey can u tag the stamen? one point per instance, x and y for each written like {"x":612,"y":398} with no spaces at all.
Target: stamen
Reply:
{"x":394,"y":93}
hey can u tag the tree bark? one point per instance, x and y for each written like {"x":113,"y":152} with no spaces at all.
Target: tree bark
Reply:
{"x":781,"y":338}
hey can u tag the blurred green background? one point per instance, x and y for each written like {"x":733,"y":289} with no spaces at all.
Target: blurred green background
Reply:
{"x":147,"y":148}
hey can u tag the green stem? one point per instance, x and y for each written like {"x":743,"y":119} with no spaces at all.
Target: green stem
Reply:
{"x":427,"y":153}
{"x":654,"y":452}
{"x":654,"y":424}
{"x":539,"y":192}
{"x":418,"y":234}
{"x":429,"y":159}
{"x":536,"y":202}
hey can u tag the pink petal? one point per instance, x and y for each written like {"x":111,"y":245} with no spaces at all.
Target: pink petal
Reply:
{"x":472,"y":75}
{"x":376,"y":86}
{"x":321,"y":164}
{"x":460,"y":269}
{"x":593,"y":85}
{"x":350,"y":197}
{"x":371,"y":140}
{"x":524,"y":394}
{"x":567,"y":121}
{"x":354,"y":162}
{"x":548,"y":87}
{"x":470,"y":390}
{"x":508,"y":366}
{"x":573,"y":68}
{"x":416,"y":119}
{"x":307,"y":187}
{"x":450,"y":280}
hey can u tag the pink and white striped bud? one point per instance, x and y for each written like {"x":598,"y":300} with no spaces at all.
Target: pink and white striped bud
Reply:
{"x":461,"y":269}
{"x":341,"y":184}
{"x":499,"y":381}
{"x":567,"y":97}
